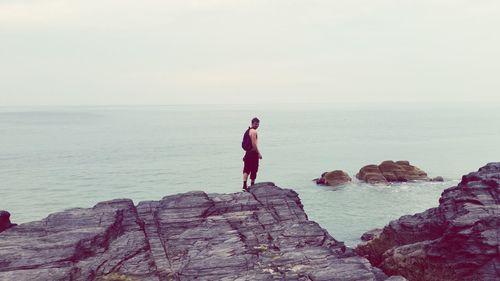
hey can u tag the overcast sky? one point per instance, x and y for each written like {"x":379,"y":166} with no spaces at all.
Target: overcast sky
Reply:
{"x":98,"y":52}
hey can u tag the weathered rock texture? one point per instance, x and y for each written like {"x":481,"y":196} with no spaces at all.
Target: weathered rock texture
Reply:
{"x":334,"y":178}
{"x":390,"y":171}
{"x":459,"y":240}
{"x":369,"y":235}
{"x":260,"y":235}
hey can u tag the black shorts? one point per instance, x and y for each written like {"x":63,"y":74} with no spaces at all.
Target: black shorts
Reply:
{"x":251,"y":167}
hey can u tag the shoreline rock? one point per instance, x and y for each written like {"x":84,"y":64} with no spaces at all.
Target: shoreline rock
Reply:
{"x":370,"y":235}
{"x":458,"y":240}
{"x":263,"y":234}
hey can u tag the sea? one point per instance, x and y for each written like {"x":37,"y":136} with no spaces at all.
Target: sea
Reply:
{"x":61,"y":157}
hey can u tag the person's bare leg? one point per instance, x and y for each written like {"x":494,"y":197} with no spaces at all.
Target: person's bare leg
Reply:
{"x":245,"y":178}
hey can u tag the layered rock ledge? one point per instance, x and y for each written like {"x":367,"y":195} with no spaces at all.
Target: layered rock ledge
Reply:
{"x":260,"y":235}
{"x":459,"y":240}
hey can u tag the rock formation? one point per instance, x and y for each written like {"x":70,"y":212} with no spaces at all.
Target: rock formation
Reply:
{"x":334,"y":178}
{"x":459,"y":240}
{"x":390,"y":171}
{"x":369,"y":235}
{"x":260,"y":235}
{"x":438,"y":178}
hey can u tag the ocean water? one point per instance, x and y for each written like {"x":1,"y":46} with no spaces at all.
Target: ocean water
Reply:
{"x":54,"y":158}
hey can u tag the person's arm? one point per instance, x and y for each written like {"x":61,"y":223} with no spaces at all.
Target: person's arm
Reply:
{"x":253,"y":137}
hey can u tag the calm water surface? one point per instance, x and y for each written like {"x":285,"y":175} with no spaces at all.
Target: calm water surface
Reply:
{"x":54,"y":158}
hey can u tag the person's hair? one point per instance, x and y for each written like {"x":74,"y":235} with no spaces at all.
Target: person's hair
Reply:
{"x":255,"y":120}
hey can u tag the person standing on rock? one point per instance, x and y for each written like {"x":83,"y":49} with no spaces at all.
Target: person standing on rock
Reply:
{"x":252,"y":153}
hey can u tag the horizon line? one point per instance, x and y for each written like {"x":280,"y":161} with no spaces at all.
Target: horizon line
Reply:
{"x":257,"y":103}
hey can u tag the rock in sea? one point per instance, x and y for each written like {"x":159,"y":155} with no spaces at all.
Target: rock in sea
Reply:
{"x":390,"y":171}
{"x":334,"y":178}
{"x":260,"y":235}
{"x":458,"y":240}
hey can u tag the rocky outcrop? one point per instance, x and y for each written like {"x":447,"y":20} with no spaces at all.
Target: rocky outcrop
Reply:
{"x":260,"y":235}
{"x":390,"y":171}
{"x":369,"y":235}
{"x":334,"y":178}
{"x":459,"y":240}
{"x":5,"y":221}
{"x":371,"y":174}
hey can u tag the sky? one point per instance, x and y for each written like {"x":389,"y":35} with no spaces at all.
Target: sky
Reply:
{"x":124,"y":52}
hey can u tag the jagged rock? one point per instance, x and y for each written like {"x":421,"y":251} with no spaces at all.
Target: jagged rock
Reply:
{"x":5,"y":221}
{"x":263,"y":234}
{"x":369,"y":235}
{"x":334,"y":178}
{"x":390,"y":171}
{"x":459,"y":240}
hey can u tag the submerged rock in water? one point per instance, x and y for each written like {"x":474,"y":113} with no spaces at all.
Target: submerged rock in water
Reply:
{"x":334,"y":178}
{"x":260,"y":235}
{"x":459,"y":240}
{"x":390,"y":171}
{"x":439,"y":178}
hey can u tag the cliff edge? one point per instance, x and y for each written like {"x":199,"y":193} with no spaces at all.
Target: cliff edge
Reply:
{"x":260,"y":235}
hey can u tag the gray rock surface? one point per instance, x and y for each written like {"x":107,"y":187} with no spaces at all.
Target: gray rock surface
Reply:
{"x":459,"y":240}
{"x":370,"y":235}
{"x":260,"y":235}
